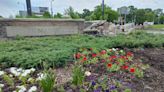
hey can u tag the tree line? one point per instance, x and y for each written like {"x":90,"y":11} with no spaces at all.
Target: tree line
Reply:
{"x":134,"y":14}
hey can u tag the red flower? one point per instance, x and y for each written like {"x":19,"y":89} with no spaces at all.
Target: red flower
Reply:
{"x":109,"y":65}
{"x":91,"y":49}
{"x":103,"y":52}
{"x":84,"y":59}
{"x":78,"y":55}
{"x":112,"y":57}
{"x":125,"y":67}
{"x":123,"y":57}
{"x":129,"y":54}
{"x":94,"y":55}
{"x":132,"y":70}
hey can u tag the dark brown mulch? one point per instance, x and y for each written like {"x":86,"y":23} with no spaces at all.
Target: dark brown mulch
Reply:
{"x":153,"y":80}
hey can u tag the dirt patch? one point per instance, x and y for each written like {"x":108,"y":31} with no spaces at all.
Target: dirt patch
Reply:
{"x":63,"y":75}
{"x":153,"y":80}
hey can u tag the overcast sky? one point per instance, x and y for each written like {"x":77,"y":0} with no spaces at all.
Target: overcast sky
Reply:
{"x":11,"y":7}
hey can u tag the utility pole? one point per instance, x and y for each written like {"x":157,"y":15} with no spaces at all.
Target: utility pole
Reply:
{"x":103,"y":9}
{"x":29,"y":12}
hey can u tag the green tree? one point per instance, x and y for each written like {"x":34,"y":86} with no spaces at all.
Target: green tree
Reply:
{"x":47,"y":15}
{"x":148,"y":10}
{"x":109,"y":14}
{"x":162,"y":19}
{"x":149,"y":16}
{"x":70,"y":11}
{"x":158,"y":13}
{"x":131,"y":15}
{"x":140,"y":16}
{"x":86,"y":14}
{"x":1,"y":17}
{"x":58,"y":15}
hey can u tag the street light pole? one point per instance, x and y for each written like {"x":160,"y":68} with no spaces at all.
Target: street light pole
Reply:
{"x":103,"y":9}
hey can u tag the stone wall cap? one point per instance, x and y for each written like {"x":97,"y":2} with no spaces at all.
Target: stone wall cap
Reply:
{"x":40,"y":19}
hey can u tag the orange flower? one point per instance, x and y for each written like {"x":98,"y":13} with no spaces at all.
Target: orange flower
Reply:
{"x":109,"y":65}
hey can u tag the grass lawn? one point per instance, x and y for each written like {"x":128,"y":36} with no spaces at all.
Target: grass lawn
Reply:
{"x":30,"y":52}
{"x":159,"y":26}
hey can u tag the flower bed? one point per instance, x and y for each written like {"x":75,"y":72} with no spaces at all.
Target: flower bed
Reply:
{"x":109,"y":70}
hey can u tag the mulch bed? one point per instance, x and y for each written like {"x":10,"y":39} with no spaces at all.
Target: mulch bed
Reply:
{"x":153,"y":80}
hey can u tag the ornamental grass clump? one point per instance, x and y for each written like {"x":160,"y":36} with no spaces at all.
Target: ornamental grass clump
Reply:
{"x":78,"y":75}
{"x":47,"y":81}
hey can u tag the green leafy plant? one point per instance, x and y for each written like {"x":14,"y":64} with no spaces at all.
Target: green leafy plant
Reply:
{"x":139,"y":73}
{"x":23,"y":79}
{"x":78,"y":75}
{"x":8,"y":80}
{"x":48,"y":82}
{"x":127,"y":90}
{"x":114,"y":68}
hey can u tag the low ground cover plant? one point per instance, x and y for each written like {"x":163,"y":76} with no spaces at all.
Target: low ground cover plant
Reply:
{"x":57,"y":51}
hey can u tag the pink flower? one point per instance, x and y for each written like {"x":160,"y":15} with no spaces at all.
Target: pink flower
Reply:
{"x":103,"y":52}
{"x":94,"y":55}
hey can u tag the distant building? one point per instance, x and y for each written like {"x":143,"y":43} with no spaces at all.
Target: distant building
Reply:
{"x":23,"y":13}
{"x":38,"y":11}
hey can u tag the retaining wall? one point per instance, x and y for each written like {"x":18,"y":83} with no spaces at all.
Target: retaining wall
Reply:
{"x":40,"y":27}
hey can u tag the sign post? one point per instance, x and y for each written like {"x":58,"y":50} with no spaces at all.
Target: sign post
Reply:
{"x":103,"y":9}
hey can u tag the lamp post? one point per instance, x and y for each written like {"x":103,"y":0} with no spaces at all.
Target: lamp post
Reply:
{"x":103,"y":9}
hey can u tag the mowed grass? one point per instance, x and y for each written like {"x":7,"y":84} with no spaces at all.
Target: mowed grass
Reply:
{"x":159,"y":26}
{"x":57,"y":51}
